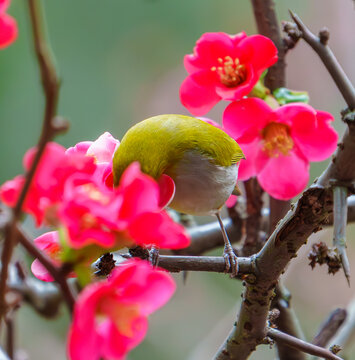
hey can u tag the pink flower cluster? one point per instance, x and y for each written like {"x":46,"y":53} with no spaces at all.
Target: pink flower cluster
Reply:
{"x":110,"y":317}
{"x":278,"y":143}
{"x":72,"y":190}
{"x":8,"y":26}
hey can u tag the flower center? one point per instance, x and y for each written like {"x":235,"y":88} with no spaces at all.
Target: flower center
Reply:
{"x":230,"y":71}
{"x":277,"y":139}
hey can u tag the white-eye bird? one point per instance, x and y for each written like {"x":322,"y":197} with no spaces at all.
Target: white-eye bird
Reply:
{"x":201,"y":159}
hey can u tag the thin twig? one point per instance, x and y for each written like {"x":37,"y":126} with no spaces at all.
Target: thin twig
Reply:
{"x":288,"y":323}
{"x":340,"y":194}
{"x":49,"y":128}
{"x":304,"y":346}
{"x":330,"y":327}
{"x":331,"y":63}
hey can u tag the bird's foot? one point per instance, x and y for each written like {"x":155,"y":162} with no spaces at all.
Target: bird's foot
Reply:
{"x":231,"y":261}
{"x":154,"y":256}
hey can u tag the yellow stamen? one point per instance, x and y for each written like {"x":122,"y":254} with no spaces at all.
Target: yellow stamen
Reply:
{"x":232,"y":73}
{"x":277,"y":139}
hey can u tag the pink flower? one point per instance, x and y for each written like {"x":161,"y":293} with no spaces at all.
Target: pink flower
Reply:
{"x":8,"y":26}
{"x":224,"y":67}
{"x":279,"y":144}
{"x":110,"y":317}
{"x":89,"y":211}
{"x":48,"y":183}
{"x":118,"y":217}
{"x":49,"y":243}
{"x":102,"y":150}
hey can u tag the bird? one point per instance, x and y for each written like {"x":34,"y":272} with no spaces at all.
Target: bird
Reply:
{"x":201,"y":159}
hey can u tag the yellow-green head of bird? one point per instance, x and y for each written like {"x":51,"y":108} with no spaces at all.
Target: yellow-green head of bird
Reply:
{"x":195,"y":154}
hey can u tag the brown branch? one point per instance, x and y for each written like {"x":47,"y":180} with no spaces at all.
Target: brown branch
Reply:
{"x":288,"y":323}
{"x":253,"y":240}
{"x":10,"y":334}
{"x":49,"y":128}
{"x":330,"y":327}
{"x":347,"y":330}
{"x":200,"y":263}
{"x":304,"y":346}
{"x":292,"y":232}
{"x":329,"y":60}
{"x":266,"y":21}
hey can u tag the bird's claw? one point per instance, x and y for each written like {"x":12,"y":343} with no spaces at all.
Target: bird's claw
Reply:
{"x":154,"y":256}
{"x":231,"y":261}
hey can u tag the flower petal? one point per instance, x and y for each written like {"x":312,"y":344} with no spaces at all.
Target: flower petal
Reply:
{"x":246,"y":114}
{"x":40,"y":272}
{"x":158,"y":229}
{"x":284,"y":177}
{"x":197,"y":92}
{"x":209,"y":47}
{"x":319,"y":144}
{"x":263,"y":52}
{"x":255,"y":160}
{"x":103,"y":148}
{"x":8,"y":30}
{"x":142,"y":284}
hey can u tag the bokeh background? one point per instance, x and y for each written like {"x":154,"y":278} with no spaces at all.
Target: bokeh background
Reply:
{"x":120,"y":62}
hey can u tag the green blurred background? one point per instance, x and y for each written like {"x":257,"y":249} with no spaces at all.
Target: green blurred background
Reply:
{"x":120,"y":62}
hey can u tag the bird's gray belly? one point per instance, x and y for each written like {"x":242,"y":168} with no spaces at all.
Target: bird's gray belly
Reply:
{"x":201,"y":186}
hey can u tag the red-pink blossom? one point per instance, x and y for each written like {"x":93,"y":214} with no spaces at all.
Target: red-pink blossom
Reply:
{"x":102,"y":150}
{"x":115,"y":218}
{"x":89,"y":211}
{"x":279,"y":144}
{"x":48,"y":183}
{"x":50,"y":244}
{"x":8,"y":26}
{"x":224,"y":67}
{"x":110,"y":317}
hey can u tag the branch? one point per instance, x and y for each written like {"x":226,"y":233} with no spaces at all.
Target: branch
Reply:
{"x":266,"y":21}
{"x":49,"y":128}
{"x":330,"y":327}
{"x":329,"y":60}
{"x":253,"y":241}
{"x":347,"y":330}
{"x":340,"y":194}
{"x":292,"y":232}
{"x":288,"y":323}
{"x":199,"y":263}
{"x":304,"y":346}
